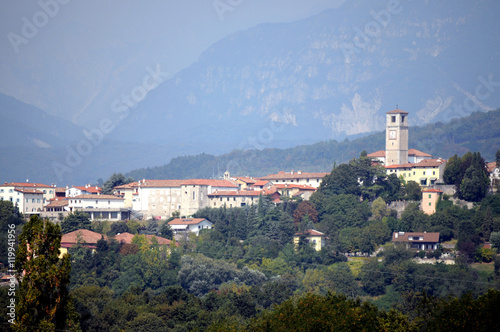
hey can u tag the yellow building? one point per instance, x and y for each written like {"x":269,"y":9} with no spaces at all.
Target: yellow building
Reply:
{"x":426,"y":172}
{"x":313,"y":237}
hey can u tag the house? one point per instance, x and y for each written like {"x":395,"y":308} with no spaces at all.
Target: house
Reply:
{"x":430,"y":198}
{"x":417,"y":240}
{"x":85,"y":237}
{"x":109,"y":207}
{"x":126,"y":191}
{"x":295,"y":190}
{"x":181,"y":226}
{"x":48,"y":192}
{"x":233,"y":198}
{"x":262,"y":185}
{"x":426,"y":172}
{"x":245,"y":182}
{"x":317,"y":239}
{"x":494,"y":172}
{"x":166,"y":197}
{"x":299,"y":177}
{"x":28,"y":200}
{"x":85,"y":190}
{"x":414,"y":156}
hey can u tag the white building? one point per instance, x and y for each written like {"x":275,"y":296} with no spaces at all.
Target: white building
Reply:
{"x":108,"y":207}
{"x":182,"y":226}
{"x":299,"y":177}
{"x":85,"y":190}
{"x":161,"y":198}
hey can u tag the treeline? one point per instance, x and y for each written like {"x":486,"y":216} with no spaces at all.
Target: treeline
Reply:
{"x":477,"y":132}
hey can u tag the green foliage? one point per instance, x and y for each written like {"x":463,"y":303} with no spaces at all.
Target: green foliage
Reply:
{"x":9,"y":215}
{"x":469,"y":175}
{"x":495,"y":240}
{"x":43,"y":302}
{"x":412,"y":191}
{"x":74,"y":221}
{"x":117,"y":179}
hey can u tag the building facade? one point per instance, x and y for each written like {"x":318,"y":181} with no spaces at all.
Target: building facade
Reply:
{"x":396,"y":138}
{"x":296,"y":177}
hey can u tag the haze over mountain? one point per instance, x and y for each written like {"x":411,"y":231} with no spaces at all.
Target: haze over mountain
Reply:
{"x":329,"y":76}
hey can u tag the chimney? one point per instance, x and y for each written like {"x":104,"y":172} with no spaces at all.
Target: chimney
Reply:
{"x":291,"y":172}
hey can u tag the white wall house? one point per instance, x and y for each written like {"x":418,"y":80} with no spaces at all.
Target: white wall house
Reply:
{"x":296,"y":177}
{"x":84,"y":190}
{"x":161,"y":198}
{"x":182,"y":226}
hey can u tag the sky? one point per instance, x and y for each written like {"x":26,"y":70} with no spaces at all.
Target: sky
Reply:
{"x":60,"y":55}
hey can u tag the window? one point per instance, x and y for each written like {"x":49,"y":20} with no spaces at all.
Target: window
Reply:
{"x":429,"y":195}
{"x":38,"y":200}
{"x":50,"y":191}
{"x":429,"y":203}
{"x":109,"y":202}
{"x":17,"y":200}
{"x":1,"y":190}
{"x":393,"y":118}
{"x":433,"y":172}
{"x":32,"y":200}
{"x":11,"y":191}
{"x":413,"y":172}
{"x":97,"y":202}
{"x":234,"y":198}
{"x":194,"y":197}
{"x":45,"y":191}
{"x":228,"y":199}
{"x":424,"y":172}
{"x":221,"y":199}
{"x":27,"y":200}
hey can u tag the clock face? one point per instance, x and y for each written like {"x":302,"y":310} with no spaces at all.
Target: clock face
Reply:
{"x":392,"y":134}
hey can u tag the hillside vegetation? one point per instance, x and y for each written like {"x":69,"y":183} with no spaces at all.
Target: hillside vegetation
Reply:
{"x":477,"y":132}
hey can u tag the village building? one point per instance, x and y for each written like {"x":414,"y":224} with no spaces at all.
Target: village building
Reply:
{"x":182,"y":226}
{"x":163,"y":198}
{"x":426,"y":172}
{"x":430,"y":199}
{"x":245,"y":182}
{"x":84,"y":237}
{"x":313,"y":237}
{"x":494,"y":173}
{"x":295,"y":190}
{"x":107,"y":207}
{"x":233,"y":198}
{"x":409,"y":164}
{"x":47,"y":191}
{"x":299,"y":177}
{"x":83,"y":190}
{"x":417,"y":240}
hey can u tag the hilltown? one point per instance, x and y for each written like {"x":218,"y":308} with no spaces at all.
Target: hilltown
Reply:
{"x":162,"y":199}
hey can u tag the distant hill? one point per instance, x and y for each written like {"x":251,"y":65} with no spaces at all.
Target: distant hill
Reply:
{"x":477,"y":132}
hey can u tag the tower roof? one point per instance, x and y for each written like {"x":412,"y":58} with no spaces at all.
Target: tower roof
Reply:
{"x":397,"y":111}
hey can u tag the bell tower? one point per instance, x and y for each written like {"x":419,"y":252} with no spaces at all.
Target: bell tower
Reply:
{"x":396,"y":138}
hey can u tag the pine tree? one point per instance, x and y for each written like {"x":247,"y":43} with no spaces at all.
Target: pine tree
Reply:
{"x":43,"y":302}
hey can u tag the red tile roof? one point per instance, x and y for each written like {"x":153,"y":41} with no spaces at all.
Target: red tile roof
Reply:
{"x":212,"y":183}
{"x":491,"y":166}
{"x":25,"y":185}
{"x":293,"y":186}
{"x":417,"y":153}
{"x":411,"y":152}
{"x":127,"y":238}
{"x":397,"y":111}
{"x":432,"y":191}
{"x":103,"y":197}
{"x":90,"y":189}
{"x":423,"y":163}
{"x":126,"y":186}
{"x":235,"y":193}
{"x":28,"y":191}
{"x":261,"y":183}
{"x":293,"y":175}
{"x":427,"y":237}
{"x":247,"y":180}
{"x":310,"y":232}
{"x":376,"y":154}
{"x":186,"y":221}
{"x":57,"y":203}
{"x":83,"y":234}
{"x":157,"y":183}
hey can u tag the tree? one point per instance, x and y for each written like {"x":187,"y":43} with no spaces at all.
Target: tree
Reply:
{"x":74,"y":221}
{"x":9,"y":215}
{"x":495,"y":240}
{"x":379,"y":209}
{"x":166,"y":231}
{"x":43,"y":302}
{"x":305,"y":207}
{"x":413,"y":191}
{"x":117,"y":179}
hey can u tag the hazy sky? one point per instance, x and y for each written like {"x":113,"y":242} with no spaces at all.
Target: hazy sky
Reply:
{"x":84,"y":45}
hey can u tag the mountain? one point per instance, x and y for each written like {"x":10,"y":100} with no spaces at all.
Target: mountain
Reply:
{"x":327,"y":77}
{"x":477,"y":132}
